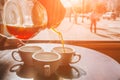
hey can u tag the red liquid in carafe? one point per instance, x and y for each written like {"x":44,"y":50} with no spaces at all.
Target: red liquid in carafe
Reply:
{"x":23,"y":32}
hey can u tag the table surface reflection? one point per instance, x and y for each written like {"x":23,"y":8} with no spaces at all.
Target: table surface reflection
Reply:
{"x":93,"y":65}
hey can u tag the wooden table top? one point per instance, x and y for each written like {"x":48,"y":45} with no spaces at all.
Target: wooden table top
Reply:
{"x":93,"y":65}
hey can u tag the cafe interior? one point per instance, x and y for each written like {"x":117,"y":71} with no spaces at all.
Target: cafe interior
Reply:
{"x":55,"y":47}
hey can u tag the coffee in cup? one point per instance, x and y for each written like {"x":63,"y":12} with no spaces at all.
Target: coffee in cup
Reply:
{"x":25,"y":53}
{"x":46,"y":63}
{"x":68,"y":54}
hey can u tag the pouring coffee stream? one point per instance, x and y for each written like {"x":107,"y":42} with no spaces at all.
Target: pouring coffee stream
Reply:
{"x":61,"y":37}
{"x":55,"y":12}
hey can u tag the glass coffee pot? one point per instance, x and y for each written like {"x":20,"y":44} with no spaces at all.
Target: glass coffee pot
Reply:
{"x":19,"y":18}
{"x":25,"y":18}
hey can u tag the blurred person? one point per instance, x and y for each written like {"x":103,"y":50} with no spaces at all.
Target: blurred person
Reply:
{"x":93,"y":18}
{"x":70,"y":14}
{"x":114,"y":16}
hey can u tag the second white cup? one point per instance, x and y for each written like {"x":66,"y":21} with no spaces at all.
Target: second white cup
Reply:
{"x":25,"y":53}
{"x":68,"y":54}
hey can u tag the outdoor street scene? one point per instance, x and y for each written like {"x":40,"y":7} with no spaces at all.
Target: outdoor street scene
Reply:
{"x":106,"y":30}
{"x":82,"y":20}
{"x":77,"y":23}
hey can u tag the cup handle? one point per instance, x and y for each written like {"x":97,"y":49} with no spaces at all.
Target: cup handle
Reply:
{"x":47,"y":70}
{"x":78,"y":59}
{"x":77,"y":71}
{"x":13,"y":68}
{"x":13,"y":53}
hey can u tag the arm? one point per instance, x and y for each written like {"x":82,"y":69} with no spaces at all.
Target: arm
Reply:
{"x":9,"y":43}
{"x":2,"y":41}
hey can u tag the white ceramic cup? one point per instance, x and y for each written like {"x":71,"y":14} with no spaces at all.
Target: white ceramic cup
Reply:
{"x":46,"y":63}
{"x":68,"y":54}
{"x":25,"y":53}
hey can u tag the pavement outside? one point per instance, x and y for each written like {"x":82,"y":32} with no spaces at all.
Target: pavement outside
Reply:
{"x":107,"y":30}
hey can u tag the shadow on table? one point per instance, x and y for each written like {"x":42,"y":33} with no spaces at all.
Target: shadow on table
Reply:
{"x":63,"y":72}
{"x":3,"y":70}
{"x":70,"y":72}
{"x":23,"y":71}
